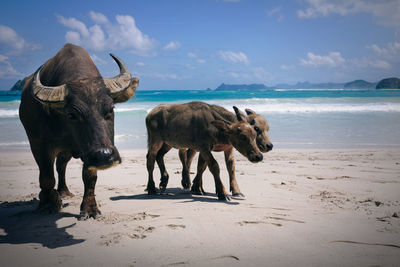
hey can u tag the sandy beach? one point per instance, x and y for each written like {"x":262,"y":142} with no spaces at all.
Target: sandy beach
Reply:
{"x":302,"y":208}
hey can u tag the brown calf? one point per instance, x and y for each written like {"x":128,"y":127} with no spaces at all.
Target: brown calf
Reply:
{"x":261,"y":127}
{"x":196,"y":126}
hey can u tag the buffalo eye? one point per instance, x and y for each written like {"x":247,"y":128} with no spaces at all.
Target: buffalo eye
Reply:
{"x":72,"y":116}
{"x":109,"y":114}
{"x":256,"y":129}
{"x":243,"y":137}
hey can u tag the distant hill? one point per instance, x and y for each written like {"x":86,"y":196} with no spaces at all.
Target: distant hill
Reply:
{"x":308,"y":85}
{"x":19,"y":85}
{"x":359,"y":84}
{"x":389,"y":83}
{"x":356,"y":84}
{"x":237,"y":87}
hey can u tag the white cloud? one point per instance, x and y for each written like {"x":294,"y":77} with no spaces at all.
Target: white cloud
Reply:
{"x":141,"y":64}
{"x":381,"y":64}
{"x":166,"y":76}
{"x":261,"y":74}
{"x":287,"y":67}
{"x":387,"y":12}
{"x":333,"y":59}
{"x":98,"y":17}
{"x":276,"y":12}
{"x":6,"y":69}
{"x":391,"y":49}
{"x":10,"y":39}
{"x":124,"y":34}
{"x":74,"y":24}
{"x":367,"y":63}
{"x":233,"y":57}
{"x":172,"y":46}
{"x":97,"y":60}
{"x":191,"y":55}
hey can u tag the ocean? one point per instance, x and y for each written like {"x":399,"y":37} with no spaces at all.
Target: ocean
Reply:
{"x":301,"y":119}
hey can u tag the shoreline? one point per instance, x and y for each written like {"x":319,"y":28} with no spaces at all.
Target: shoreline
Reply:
{"x":320,"y":207}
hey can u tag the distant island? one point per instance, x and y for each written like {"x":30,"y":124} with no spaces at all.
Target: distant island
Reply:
{"x":19,"y":85}
{"x":388,"y":83}
{"x":235,"y":87}
{"x":359,"y":84}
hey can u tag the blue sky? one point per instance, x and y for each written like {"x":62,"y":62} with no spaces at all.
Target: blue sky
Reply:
{"x":186,"y":44}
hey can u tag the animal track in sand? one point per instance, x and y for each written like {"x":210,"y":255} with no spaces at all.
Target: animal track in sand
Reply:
{"x":322,"y":178}
{"x":243,"y":223}
{"x":202,"y":261}
{"x":114,"y":218}
{"x":176,"y":226}
{"x":116,"y":237}
{"x":269,"y":220}
{"x":226,"y":257}
{"x":364,"y":243}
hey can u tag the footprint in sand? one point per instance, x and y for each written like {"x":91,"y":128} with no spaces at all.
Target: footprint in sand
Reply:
{"x":269,"y":220}
{"x":176,"y":226}
{"x":116,"y":237}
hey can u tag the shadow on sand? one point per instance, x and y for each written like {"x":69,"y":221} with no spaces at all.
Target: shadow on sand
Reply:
{"x":177,"y":193}
{"x":22,"y":225}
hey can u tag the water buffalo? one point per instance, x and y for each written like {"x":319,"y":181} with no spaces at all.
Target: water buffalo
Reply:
{"x":197,"y":126}
{"x":67,"y":110}
{"x":259,"y":124}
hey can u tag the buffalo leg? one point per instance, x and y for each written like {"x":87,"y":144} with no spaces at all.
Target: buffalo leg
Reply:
{"x":151,"y":158}
{"x":197,"y":187}
{"x":61,"y":164}
{"x":214,"y":168}
{"x":186,"y":157}
{"x":230,"y":165}
{"x":50,"y":200}
{"x":160,"y":162}
{"x":89,"y":206}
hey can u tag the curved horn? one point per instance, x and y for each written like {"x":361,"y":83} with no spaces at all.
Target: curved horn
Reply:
{"x":239,"y":114}
{"x":122,"y":86}
{"x":47,"y":94}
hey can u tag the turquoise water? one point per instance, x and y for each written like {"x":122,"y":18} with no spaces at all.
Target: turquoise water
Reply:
{"x":298,"y":118}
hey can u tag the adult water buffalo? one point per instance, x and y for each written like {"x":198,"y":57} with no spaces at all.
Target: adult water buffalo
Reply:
{"x":197,"y":126}
{"x":67,"y":110}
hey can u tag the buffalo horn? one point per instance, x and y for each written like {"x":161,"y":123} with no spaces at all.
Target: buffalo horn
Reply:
{"x":48,"y":94}
{"x":122,"y":86}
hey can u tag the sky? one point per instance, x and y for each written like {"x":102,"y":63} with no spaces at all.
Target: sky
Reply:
{"x":194,"y":45}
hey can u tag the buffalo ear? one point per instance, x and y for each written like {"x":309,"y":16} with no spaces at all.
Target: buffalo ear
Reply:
{"x":249,"y":111}
{"x":239,"y":114}
{"x":123,"y":95}
{"x":221,"y":125}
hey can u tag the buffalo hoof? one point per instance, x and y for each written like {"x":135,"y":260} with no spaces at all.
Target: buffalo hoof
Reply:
{"x":87,"y":215}
{"x":151,"y":191}
{"x":162,"y":189}
{"x":50,"y":202}
{"x":223,"y":197}
{"x":164,"y":181}
{"x":185,"y":184}
{"x":197,"y":191}
{"x":237,"y":194}
{"x":65,"y":193}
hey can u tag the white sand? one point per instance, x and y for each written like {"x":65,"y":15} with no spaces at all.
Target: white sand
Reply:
{"x":302,"y":208}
